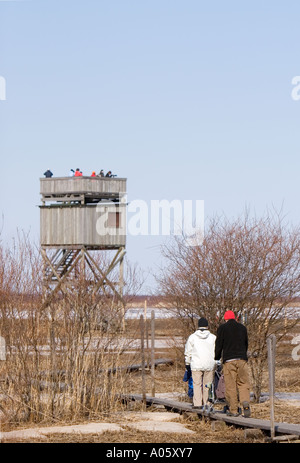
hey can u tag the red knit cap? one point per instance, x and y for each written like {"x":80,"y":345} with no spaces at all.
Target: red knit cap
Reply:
{"x":229,"y":315}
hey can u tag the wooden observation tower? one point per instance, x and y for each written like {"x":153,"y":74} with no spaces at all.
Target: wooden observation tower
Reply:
{"x":80,"y":215}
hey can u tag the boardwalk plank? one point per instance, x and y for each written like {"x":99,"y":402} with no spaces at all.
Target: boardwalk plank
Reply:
{"x":177,"y":406}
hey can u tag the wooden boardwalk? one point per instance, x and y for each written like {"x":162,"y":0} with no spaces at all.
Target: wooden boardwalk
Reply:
{"x":130,"y":368}
{"x":254,"y":423}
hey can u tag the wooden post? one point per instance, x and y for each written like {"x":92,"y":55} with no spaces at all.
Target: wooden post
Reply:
{"x":142,"y":326}
{"x":121,"y":288}
{"x":152,"y":353}
{"x":271,"y":342}
{"x":2,"y":349}
{"x":146,"y":334}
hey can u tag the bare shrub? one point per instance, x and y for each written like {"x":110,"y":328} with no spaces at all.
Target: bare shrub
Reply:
{"x":251,"y":266}
{"x":59,"y":355}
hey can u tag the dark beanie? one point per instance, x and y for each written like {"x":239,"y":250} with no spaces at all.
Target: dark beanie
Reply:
{"x":202,"y":323}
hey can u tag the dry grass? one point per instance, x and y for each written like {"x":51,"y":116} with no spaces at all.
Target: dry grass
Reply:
{"x":169,"y":378}
{"x":58,"y":356}
{"x":203,"y":431}
{"x":203,"y":434}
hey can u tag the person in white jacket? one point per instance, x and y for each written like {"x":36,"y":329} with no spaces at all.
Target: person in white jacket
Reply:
{"x":200,"y":359}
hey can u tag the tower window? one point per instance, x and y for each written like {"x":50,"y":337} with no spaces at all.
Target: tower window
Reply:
{"x":114,"y":220}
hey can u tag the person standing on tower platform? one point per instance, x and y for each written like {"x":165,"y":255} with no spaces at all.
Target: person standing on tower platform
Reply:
{"x":48,"y":173}
{"x":78,"y":173}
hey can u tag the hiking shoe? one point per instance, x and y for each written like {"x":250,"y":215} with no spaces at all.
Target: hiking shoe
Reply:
{"x":246,"y":407}
{"x":225,"y":409}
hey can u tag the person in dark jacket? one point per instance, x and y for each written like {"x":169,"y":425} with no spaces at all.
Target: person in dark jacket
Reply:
{"x":48,"y":173}
{"x":231,"y":346}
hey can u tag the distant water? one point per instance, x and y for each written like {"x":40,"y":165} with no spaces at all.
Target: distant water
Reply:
{"x":159,"y":313}
{"x":133,"y":313}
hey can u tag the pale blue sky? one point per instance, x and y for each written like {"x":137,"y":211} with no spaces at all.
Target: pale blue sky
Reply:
{"x":188,"y":100}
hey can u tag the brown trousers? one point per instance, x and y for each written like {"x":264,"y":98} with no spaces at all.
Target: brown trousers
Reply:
{"x":201,"y":379}
{"x":237,"y":387}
